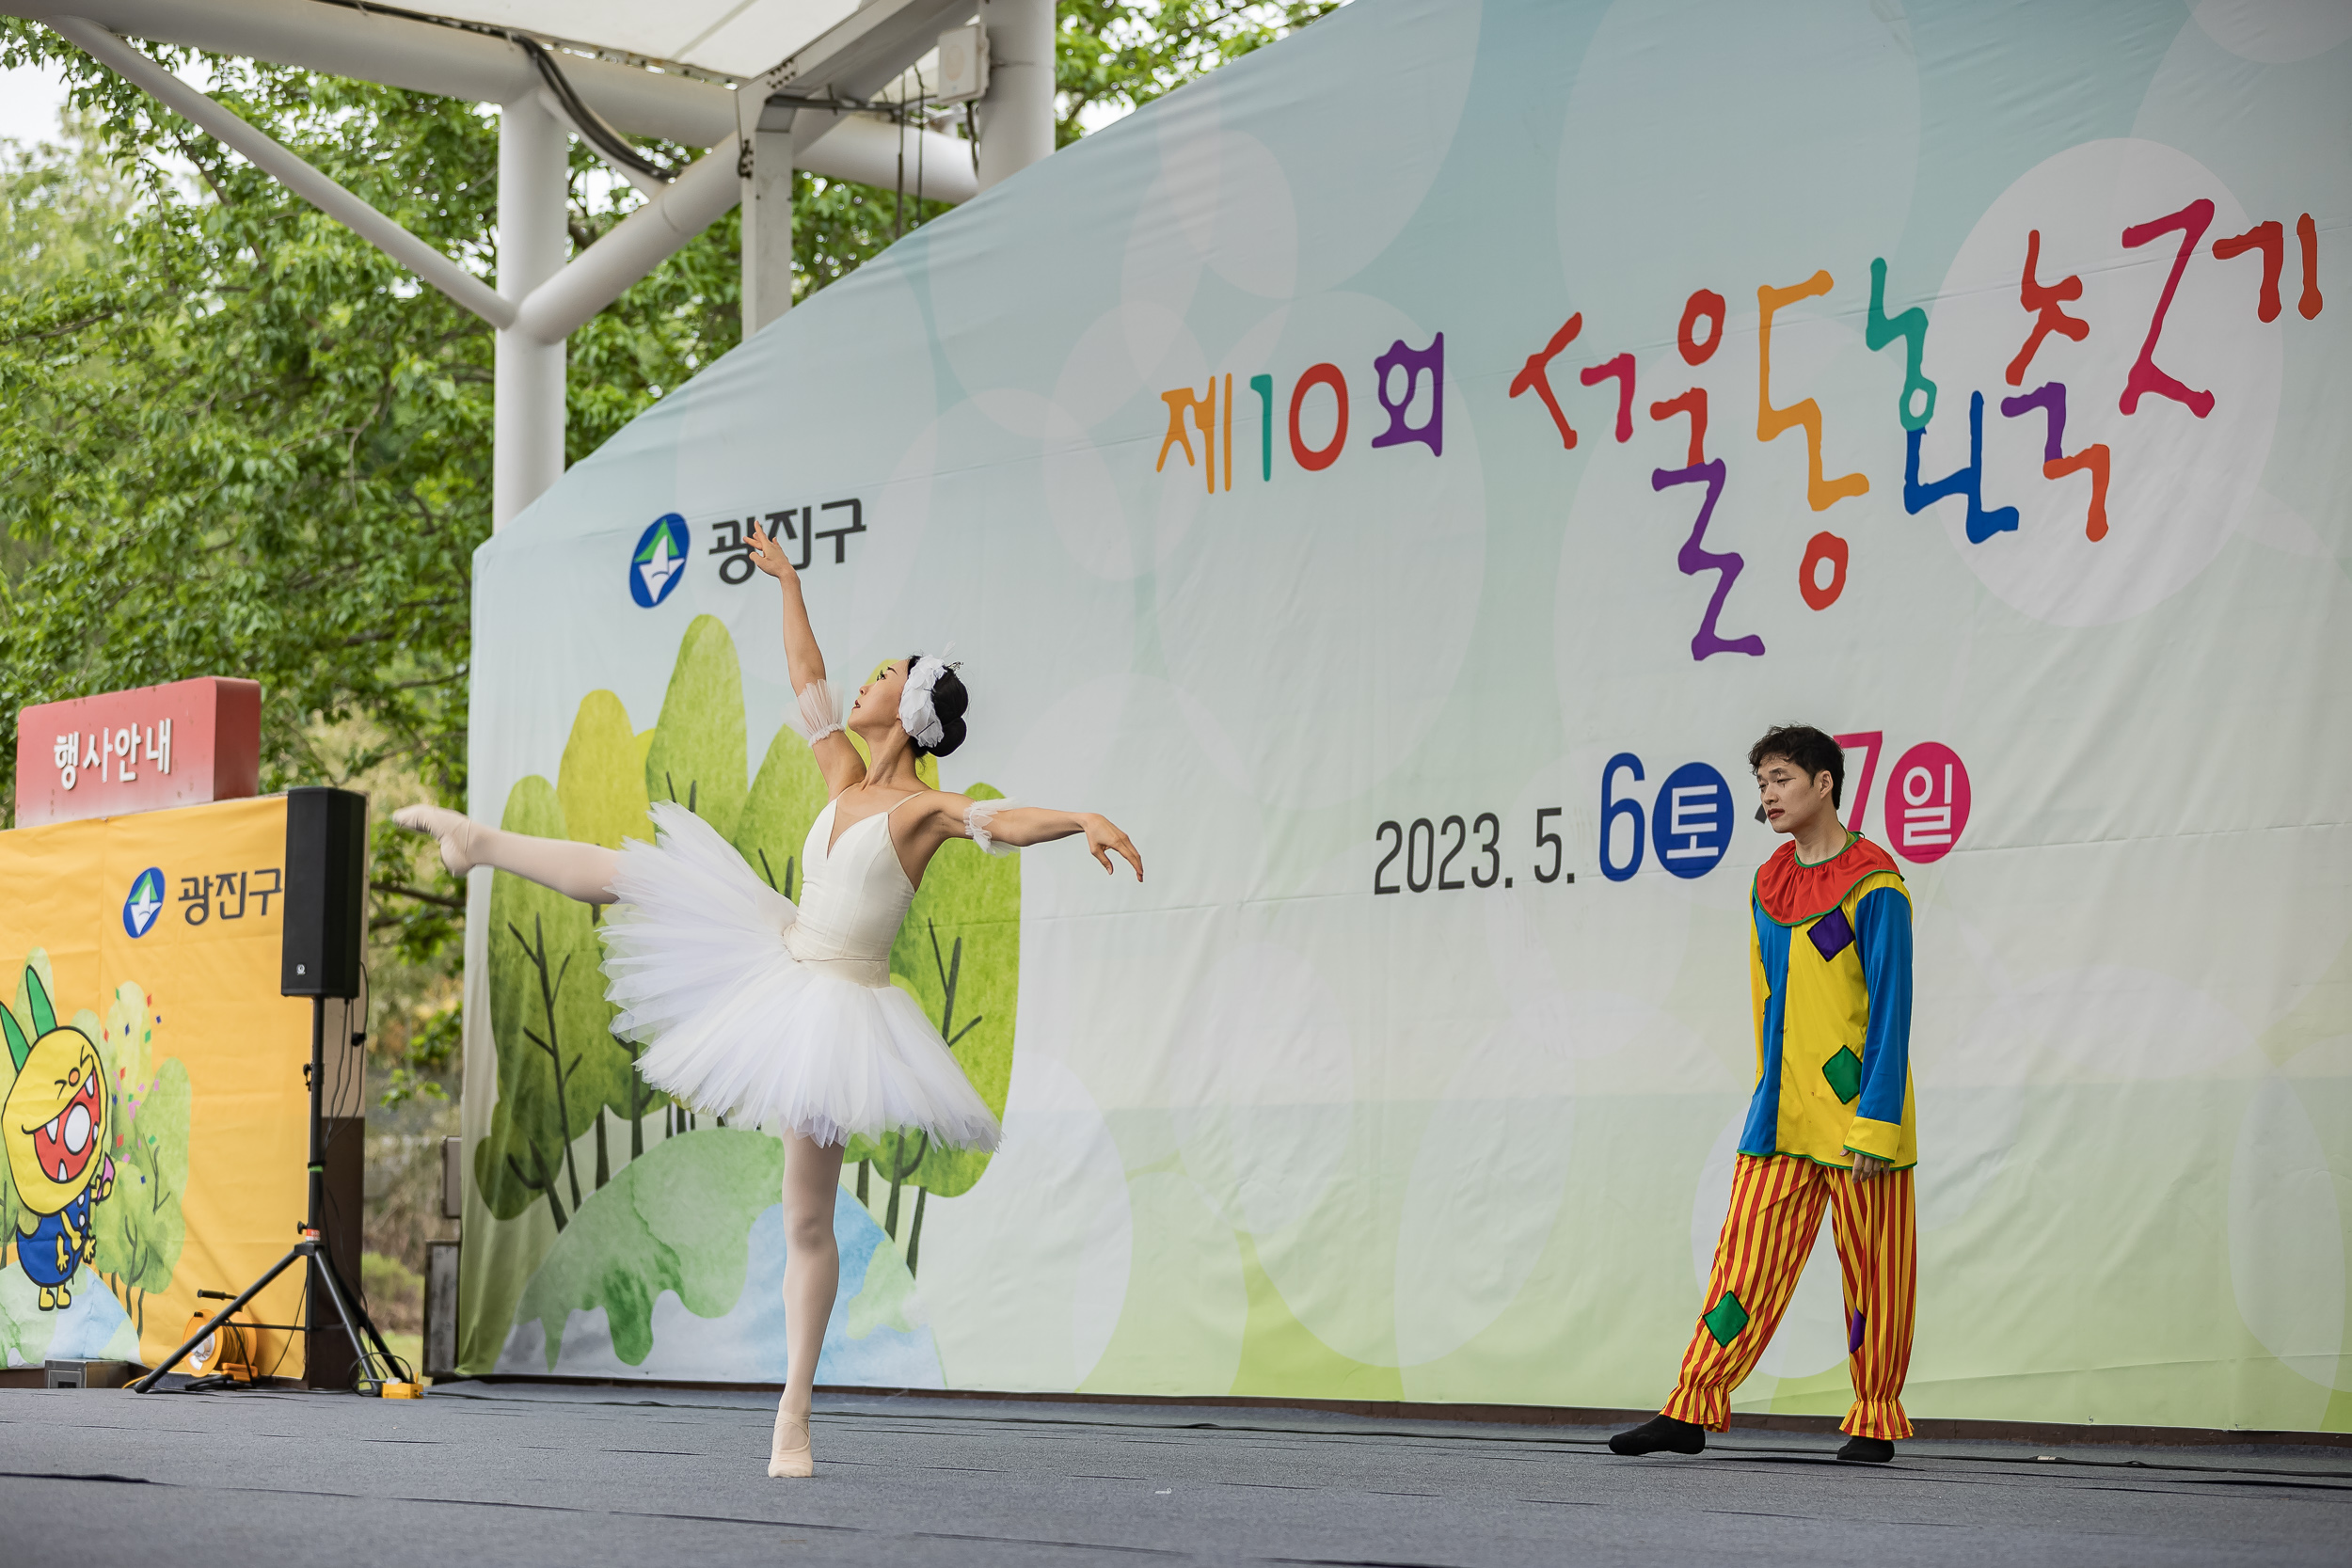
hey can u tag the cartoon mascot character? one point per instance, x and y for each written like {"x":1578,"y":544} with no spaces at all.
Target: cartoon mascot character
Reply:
{"x":53,"y":1122}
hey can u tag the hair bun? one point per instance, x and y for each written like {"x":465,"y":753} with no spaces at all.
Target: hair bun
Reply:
{"x":948,"y":700}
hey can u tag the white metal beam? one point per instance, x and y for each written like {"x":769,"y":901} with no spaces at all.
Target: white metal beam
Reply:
{"x":402,"y":51}
{"x":866,"y":147}
{"x":865,"y":51}
{"x":278,"y":163}
{"x":632,"y":248}
{"x":453,"y":62}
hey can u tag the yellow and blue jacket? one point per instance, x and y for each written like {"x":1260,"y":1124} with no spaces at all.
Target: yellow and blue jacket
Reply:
{"x":1829,"y":965}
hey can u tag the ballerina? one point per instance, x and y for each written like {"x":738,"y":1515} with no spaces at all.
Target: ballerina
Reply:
{"x":784,"y":1016}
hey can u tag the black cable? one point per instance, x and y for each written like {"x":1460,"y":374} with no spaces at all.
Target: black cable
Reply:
{"x":591,"y":125}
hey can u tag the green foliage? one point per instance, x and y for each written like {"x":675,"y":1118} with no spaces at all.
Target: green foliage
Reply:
{"x":236,"y":438}
{"x":1123,"y":53}
{"x":679,"y":1219}
{"x":63,"y":204}
{"x":394,"y":1293}
{"x":239,"y":439}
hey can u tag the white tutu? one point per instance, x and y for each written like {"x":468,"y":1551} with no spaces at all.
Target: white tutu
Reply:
{"x":734,"y":1026}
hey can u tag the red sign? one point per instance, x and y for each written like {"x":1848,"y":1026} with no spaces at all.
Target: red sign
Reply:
{"x":176,"y":745}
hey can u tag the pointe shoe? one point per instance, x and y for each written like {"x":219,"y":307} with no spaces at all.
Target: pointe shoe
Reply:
{"x":455,"y":830}
{"x":789,"y":1452}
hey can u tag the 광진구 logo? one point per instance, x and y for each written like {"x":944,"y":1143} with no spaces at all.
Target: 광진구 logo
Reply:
{"x":660,"y":562}
{"x":144,"y":902}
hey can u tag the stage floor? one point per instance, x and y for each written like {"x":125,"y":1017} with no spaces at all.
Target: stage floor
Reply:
{"x":518,"y":1475}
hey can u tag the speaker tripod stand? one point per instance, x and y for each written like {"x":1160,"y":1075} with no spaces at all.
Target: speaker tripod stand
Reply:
{"x":312,"y":1250}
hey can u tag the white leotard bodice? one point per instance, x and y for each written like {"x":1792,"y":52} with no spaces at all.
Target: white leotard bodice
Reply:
{"x":853,"y":896}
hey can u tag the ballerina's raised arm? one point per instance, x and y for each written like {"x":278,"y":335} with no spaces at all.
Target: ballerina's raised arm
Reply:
{"x":805,"y":664}
{"x":912,"y":707}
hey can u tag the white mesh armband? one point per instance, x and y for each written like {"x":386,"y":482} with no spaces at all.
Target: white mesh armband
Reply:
{"x":975,"y":821}
{"x":820,"y":711}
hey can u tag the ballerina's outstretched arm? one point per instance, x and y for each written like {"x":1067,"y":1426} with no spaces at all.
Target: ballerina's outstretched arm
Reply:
{"x":1021,"y":826}
{"x":1000,"y":827}
{"x":804,"y":663}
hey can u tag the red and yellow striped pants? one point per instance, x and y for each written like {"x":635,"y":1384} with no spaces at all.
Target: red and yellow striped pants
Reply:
{"x":1775,"y":1213}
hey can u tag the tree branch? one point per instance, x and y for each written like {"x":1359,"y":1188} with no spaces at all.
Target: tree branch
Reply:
{"x":418,"y":894}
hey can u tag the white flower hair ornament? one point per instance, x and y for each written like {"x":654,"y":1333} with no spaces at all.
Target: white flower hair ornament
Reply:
{"x":916,"y":714}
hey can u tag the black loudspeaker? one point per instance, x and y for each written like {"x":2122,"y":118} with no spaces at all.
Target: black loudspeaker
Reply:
{"x":326,"y":889}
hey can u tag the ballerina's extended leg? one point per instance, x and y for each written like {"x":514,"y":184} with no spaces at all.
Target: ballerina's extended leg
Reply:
{"x":581,"y":871}
{"x":812,"y":1273}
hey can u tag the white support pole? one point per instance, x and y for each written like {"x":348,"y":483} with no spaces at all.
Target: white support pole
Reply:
{"x":528,"y":454}
{"x":765,"y":166}
{"x":1016,"y":116}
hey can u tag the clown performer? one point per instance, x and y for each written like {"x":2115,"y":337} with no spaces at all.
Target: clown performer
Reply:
{"x":1830,"y":1123}
{"x":782,"y":1015}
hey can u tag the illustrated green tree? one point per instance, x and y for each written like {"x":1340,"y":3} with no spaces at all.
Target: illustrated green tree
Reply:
{"x":698,"y":747}
{"x":141,"y":1228}
{"x":549,"y":1022}
{"x":561,"y":1068}
{"x":697,"y":755}
{"x":786,"y":800}
{"x":601,"y":787}
{"x":958,"y":953}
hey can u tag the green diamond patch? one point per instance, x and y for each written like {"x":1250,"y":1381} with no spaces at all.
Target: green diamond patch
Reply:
{"x":1726,"y":1319}
{"x":1844,"y":1073}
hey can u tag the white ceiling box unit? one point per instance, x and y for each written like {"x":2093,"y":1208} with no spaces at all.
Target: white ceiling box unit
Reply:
{"x":962,"y":64}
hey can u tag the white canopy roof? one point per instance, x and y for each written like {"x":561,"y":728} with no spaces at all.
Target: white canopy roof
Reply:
{"x":731,"y":38}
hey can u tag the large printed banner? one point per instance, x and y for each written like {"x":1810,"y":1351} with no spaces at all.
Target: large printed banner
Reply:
{"x":154,"y":1125}
{"x":1397,"y":479}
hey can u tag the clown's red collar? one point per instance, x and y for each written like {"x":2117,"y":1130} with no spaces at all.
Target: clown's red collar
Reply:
{"x":1791,"y":892}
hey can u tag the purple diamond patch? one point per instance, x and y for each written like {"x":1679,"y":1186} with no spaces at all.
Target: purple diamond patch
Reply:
{"x":1832,"y":934}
